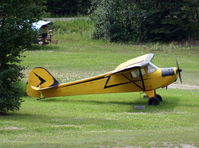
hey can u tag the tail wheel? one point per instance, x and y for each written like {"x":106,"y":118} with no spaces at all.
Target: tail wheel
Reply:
{"x":159,"y":97}
{"x":154,"y":101}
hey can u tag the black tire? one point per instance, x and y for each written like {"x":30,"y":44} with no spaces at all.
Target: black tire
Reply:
{"x":154,"y":101}
{"x":159,"y":97}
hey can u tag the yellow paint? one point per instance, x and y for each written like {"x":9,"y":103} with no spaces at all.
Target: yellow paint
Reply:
{"x":150,"y":93}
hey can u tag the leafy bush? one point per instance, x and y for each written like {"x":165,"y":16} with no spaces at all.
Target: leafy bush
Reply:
{"x":16,"y":35}
{"x":113,"y":20}
{"x":152,"y":20}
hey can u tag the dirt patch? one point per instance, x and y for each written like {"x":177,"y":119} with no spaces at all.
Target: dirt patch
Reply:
{"x":165,"y":144}
{"x":183,"y":86}
{"x":11,"y":128}
{"x":188,"y":146}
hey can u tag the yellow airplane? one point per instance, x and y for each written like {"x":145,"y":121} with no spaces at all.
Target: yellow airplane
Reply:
{"x":135,"y":75}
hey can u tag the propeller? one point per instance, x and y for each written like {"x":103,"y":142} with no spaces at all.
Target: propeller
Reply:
{"x":179,"y":70}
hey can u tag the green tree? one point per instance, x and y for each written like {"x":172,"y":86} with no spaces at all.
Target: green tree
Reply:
{"x":169,"y":20}
{"x":151,"y":20}
{"x":116,"y":20}
{"x":68,"y":8}
{"x":16,"y":35}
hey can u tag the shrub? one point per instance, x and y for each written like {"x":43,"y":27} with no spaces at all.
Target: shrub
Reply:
{"x":115,"y":20}
{"x":16,"y":35}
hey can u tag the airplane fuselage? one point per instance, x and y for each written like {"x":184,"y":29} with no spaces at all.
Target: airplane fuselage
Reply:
{"x":134,"y":75}
{"x":117,"y":83}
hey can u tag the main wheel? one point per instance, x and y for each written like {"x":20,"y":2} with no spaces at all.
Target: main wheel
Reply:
{"x":153,"y":101}
{"x":159,"y":97}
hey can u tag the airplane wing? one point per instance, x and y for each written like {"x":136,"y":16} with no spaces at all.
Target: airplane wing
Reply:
{"x":137,"y":62}
{"x":39,"y":24}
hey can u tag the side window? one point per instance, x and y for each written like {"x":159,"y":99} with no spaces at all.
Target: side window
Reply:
{"x":136,"y":73}
{"x":143,"y":71}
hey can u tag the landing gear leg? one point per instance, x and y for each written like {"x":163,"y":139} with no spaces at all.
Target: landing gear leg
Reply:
{"x":154,"y":99}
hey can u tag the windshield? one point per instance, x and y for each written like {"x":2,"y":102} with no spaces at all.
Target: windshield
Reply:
{"x":151,"y":68}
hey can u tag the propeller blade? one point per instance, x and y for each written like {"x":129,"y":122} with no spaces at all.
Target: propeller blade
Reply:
{"x":177,"y":64}
{"x":179,"y":71}
{"x":180,"y":75}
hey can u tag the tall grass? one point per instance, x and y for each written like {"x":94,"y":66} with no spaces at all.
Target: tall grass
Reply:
{"x":81,"y":27}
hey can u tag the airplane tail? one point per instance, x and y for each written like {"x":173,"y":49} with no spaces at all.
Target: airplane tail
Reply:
{"x":40,"y":79}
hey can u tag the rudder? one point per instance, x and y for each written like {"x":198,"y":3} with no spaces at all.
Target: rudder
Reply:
{"x":39,"y":79}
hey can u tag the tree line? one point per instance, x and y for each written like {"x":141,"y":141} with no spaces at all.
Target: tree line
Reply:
{"x":146,"y":20}
{"x":135,"y":20}
{"x":64,"y":8}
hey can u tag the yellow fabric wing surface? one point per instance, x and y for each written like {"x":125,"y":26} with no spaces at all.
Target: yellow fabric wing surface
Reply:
{"x":134,"y":63}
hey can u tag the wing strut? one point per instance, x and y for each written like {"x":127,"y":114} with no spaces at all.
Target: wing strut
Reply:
{"x":143,"y":85}
{"x":132,"y":81}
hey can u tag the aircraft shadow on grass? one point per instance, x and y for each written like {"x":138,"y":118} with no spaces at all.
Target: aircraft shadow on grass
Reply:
{"x":55,"y":120}
{"x":168,"y":105}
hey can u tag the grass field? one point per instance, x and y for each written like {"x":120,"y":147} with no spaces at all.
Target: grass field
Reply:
{"x":109,"y":120}
{"x":104,"y":121}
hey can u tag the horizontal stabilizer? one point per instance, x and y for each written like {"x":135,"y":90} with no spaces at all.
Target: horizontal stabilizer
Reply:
{"x":38,"y":88}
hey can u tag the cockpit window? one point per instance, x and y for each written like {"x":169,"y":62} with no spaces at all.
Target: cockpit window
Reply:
{"x":136,"y":73}
{"x":151,"y":68}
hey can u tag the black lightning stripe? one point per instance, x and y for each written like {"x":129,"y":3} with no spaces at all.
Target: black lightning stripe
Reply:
{"x":41,"y":79}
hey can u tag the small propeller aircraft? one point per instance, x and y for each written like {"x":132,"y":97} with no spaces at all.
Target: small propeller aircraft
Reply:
{"x":135,"y":75}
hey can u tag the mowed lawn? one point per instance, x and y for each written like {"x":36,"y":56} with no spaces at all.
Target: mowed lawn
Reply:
{"x":109,"y":120}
